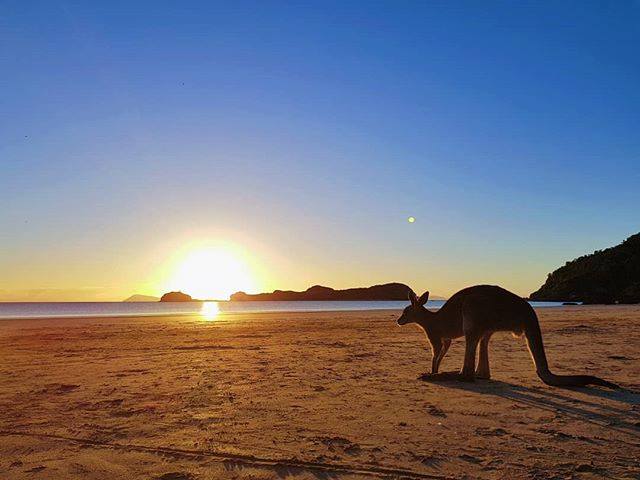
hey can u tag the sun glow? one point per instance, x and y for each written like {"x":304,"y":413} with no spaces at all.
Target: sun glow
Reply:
{"x":211,"y":273}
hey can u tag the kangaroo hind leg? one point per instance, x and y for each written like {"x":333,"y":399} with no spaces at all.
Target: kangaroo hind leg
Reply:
{"x":483,"y":370}
{"x":471,"y":346}
{"x":475,"y":316}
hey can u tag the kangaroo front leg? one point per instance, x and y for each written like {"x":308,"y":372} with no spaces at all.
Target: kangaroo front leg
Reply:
{"x":468,"y":369}
{"x":445,"y":347}
{"x":483,"y":370}
{"x":436,"y":349}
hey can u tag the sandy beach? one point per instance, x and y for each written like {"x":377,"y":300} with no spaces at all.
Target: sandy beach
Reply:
{"x":310,"y":395}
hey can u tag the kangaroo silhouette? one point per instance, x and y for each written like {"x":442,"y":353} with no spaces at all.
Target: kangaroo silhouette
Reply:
{"x":476,"y":313}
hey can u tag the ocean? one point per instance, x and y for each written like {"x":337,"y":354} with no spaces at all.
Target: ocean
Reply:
{"x":15,"y":310}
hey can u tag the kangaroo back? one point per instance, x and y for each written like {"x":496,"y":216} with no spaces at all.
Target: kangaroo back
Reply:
{"x":536,"y":348}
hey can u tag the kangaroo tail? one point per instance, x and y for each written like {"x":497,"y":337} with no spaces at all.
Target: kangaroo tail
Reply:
{"x":536,"y":348}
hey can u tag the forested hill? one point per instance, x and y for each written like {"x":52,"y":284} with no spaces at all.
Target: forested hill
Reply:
{"x":606,"y":276}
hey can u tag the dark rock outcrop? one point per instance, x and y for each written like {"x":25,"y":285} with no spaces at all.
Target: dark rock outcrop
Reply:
{"x":388,"y":291}
{"x":606,"y":276}
{"x":176,"y":297}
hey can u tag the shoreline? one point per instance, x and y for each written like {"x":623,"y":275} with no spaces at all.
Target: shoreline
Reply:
{"x":559,"y":308}
{"x":283,"y":311}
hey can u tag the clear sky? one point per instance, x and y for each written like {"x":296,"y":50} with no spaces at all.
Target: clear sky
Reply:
{"x":302,"y":135}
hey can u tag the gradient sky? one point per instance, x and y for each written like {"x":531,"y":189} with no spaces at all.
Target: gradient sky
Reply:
{"x":305,"y":133}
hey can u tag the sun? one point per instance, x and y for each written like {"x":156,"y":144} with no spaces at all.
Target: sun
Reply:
{"x":211,"y":274}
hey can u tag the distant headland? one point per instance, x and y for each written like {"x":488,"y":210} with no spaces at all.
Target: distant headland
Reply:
{"x":606,"y":276}
{"x":388,"y":291}
{"x":141,"y":298}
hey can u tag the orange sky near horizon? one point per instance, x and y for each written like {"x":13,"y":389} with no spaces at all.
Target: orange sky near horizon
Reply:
{"x":214,"y":269}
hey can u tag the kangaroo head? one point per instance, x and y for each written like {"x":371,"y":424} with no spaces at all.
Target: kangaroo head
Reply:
{"x":416,"y":311}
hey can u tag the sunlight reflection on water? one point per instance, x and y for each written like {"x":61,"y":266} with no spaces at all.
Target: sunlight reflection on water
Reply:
{"x":210,"y":310}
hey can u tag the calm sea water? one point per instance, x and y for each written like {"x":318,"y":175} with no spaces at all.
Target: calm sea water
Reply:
{"x":122,"y":309}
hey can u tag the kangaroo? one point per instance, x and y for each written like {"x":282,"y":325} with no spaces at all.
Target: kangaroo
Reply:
{"x":476,"y":313}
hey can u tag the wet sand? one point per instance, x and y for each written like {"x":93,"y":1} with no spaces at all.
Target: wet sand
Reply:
{"x":310,"y":395}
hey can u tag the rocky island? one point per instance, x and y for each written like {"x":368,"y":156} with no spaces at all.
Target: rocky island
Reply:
{"x":176,"y":297}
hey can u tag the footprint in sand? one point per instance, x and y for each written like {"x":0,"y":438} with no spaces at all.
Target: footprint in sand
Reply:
{"x":435,"y":411}
{"x":428,"y":460}
{"x":59,"y":388}
{"x":37,"y":469}
{"x":176,"y":476}
{"x":491,"y":432}
{"x":469,"y":458}
{"x":618,"y":357}
{"x":339,"y":443}
{"x":492,"y":464}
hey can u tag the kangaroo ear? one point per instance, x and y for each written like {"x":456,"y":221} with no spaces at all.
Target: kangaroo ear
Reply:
{"x":423,"y":298}
{"x":413,"y":297}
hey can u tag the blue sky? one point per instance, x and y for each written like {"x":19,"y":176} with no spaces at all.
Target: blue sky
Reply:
{"x":305,"y":134}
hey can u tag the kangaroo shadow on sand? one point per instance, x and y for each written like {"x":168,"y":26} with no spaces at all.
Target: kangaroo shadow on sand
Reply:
{"x":582,"y":405}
